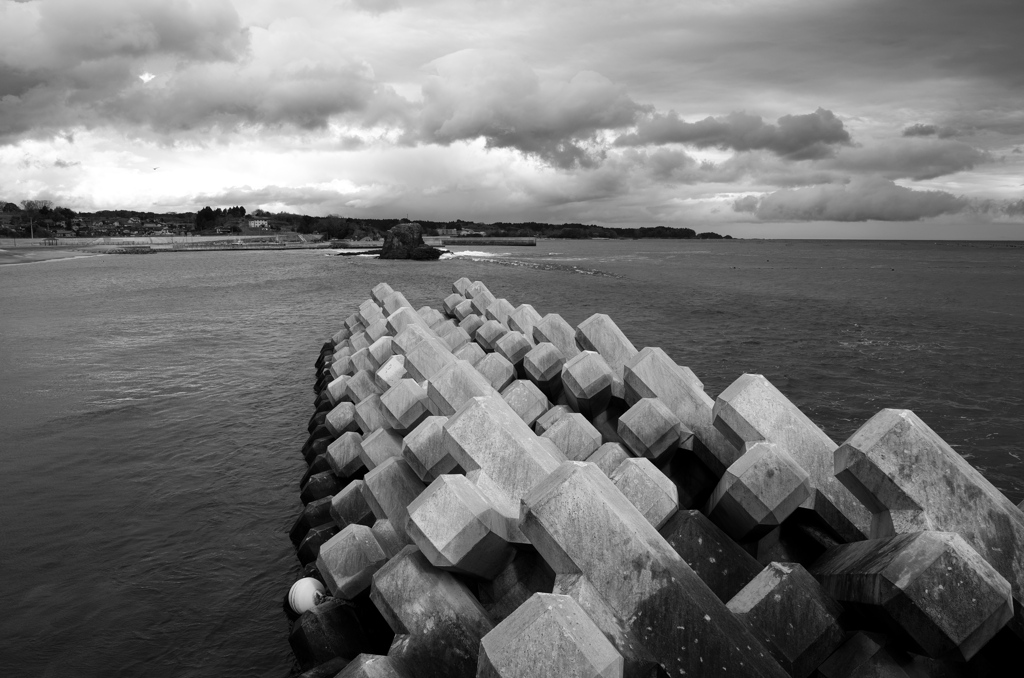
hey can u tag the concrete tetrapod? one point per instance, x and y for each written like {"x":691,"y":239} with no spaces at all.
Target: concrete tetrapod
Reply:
{"x":543,"y":366}
{"x":910,"y":480}
{"x":751,"y":409}
{"x":525,"y":575}
{"x":389,"y":489}
{"x":453,"y":386}
{"x":343,"y":455}
{"x":349,"y":506}
{"x":457,"y":529}
{"x":581,"y":524}
{"x":526,"y":399}
{"x":650,"y":429}
{"x":931,"y":588}
{"x":600,"y":333}
{"x":499,"y":310}
{"x":498,"y":371}
{"x":587,"y":383}
{"x":513,"y":347}
{"x":372,"y":666}
{"x":379,"y":446}
{"x":553,"y":329}
{"x":404,"y":405}
{"x":760,"y":490}
{"x":549,"y":636}
{"x":348,"y":560}
{"x":443,"y":619}
{"x":423,"y":451}
{"x":574,"y":436}
{"x":608,"y":457}
{"x":524,"y":319}
{"x":792,"y":616}
{"x":648,"y":489}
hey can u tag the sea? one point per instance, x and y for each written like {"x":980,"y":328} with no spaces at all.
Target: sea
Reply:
{"x":152,"y":408}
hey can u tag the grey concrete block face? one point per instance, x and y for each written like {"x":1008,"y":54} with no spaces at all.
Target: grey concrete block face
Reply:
{"x":608,"y":457}
{"x":471,"y":323}
{"x":361,"y":360}
{"x":760,"y":490}
{"x":380,"y":351}
{"x":650,"y":429}
{"x":752,"y":409}
{"x":390,"y":372}
{"x":443,"y":619}
{"x":361,"y":386}
{"x":348,"y":560}
{"x":455,"y":385}
{"x":600,"y":333}
{"x":370,"y":312}
{"x":431,"y":316}
{"x":377,"y":331}
{"x":389,"y":538}
{"x":526,"y":575}
{"x":402,"y":318}
{"x":523,"y":319}
{"x":792,"y":616}
{"x":372,"y":666}
{"x":475,"y":288}
{"x":574,"y":436}
{"x":652,"y":374}
{"x":526,"y":399}
{"x":581,"y":524}
{"x":394,"y":302}
{"x":456,"y":338}
{"x":587,"y":383}
{"x":499,"y":310}
{"x":461,"y":285}
{"x":409,"y":337}
{"x":861,"y":655}
{"x":336,"y":389}
{"x":513,"y":346}
{"x":488,"y":334}
{"x":457,"y":529}
{"x":349,"y":507}
{"x":648,"y":489}
{"x":549,"y":418}
{"x":911,"y":480}
{"x":481,"y":302}
{"x":464,"y":309}
{"x":470,"y":352}
{"x":427,"y":358}
{"x":549,"y":636}
{"x":359,"y":340}
{"x":380,"y":292}
{"x":341,"y":419}
{"x":342,"y":365}
{"x":933,"y":586}
{"x":423,"y":451}
{"x":389,"y":489}
{"x":553,"y":329}
{"x":498,"y":371}
{"x":380,"y":446}
{"x":405,"y":405}
{"x":543,"y":366}
{"x":344,"y":454}
{"x":450,"y":302}
{"x":370,"y":414}
{"x":718,"y":560}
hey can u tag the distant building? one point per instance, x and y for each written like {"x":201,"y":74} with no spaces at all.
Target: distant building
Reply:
{"x":259,"y":223}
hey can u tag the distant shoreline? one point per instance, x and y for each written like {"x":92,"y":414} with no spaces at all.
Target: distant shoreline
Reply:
{"x":39,"y":256}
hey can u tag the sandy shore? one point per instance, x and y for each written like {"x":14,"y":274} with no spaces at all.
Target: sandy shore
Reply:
{"x":35,"y":255}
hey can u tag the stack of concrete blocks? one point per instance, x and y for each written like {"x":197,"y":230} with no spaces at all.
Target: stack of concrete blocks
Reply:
{"x":491,"y":492}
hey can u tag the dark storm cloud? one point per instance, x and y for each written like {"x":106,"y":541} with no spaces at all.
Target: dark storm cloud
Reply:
{"x":862,"y":199}
{"x":500,"y":98}
{"x":926,"y":130}
{"x":910,"y":158}
{"x":797,"y":137}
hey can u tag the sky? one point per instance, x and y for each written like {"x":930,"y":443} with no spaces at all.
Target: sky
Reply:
{"x":756,"y":118}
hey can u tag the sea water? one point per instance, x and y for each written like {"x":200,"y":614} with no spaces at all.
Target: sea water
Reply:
{"x":152,"y":408}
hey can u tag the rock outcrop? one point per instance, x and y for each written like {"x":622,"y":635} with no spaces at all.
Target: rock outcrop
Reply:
{"x":405,"y":241}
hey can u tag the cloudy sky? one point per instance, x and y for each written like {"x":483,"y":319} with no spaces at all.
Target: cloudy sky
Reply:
{"x":807,"y":118}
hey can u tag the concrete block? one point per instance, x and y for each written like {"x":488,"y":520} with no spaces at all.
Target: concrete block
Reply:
{"x":461,"y":285}
{"x":513,"y":346}
{"x":456,"y":338}
{"x":910,"y":480}
{"x":487,"y":435}
{"x":500,"y":310}
{"x":359,"y":340}
{"x":373,"y":666}
{"x":488,"y":334}
{"x":498,"y":371}
{"x":464,"y":309}
{"x":526,"y":575}
{"x":349,"y":507}
{"x":481,"y":301}
{"x":443,"y":619}
{"x":361,"y":386}
{"x":389,"y":538}
{"x":389,"y":489}
{"x":608,"y":457}
{"x":379,"y":446}
{"x":600,"y":333}
{"x":344,"y":455}
{"x":329,"y":630}
{"x":549,"y":636}
{"x":523,"y":319}
{"x":341,"y":419}
{"x":342,"y":366}
{"x":581,"y":524}
{"x":574,"y":436}
{"x":377,"y":330}
{"x":526,"y":399}
{"x":405,"y":405}
{"x":380,"y":351}
{"x":427,"y":358}
{"x":553,"y":329}
{"x":431,"y":316}
{"x":648,"y":489}
{"x":394,"y":302}
{"x":457,"y":529}
{"x":543,"y":366}
{"x":862,"y":656}
{"x":341,"y":335}
{"x":408,"y":338}
{"x":453,"y":386}
{"x":314,"y":513}
{"x":650,"y":429}
{"x":402,"y":318}
{"x":471,"y":323}
{"x":550,"y":418}
{"x":760,"y":490}
{"x":423,"y":451}
{"x":471,"y":353}
{"x":390,"y":373}
{"x":370,"y":312}
{"x":309,"y":547}
{"x":718,"y":560}
{"x":370,"y":414}
{"x":380,"y":292}
{"x":348,"y":561}
{"x":587,"y":383}
{"x":475,"y":288}
{"x":931,"y":587}
{"x":751,"y":410}
{"x":792,"y":616}
{"x":336,"y":389}
{"x":450,"y":302}
{"x":318,"y":486}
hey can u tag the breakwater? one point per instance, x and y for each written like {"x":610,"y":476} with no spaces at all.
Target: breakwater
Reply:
{"x":483,"y":479}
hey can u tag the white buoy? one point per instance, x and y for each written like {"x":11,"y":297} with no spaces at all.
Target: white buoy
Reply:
{"x":305,"y":594}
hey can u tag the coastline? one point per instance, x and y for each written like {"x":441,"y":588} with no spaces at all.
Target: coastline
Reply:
{"x":36,"y":256}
